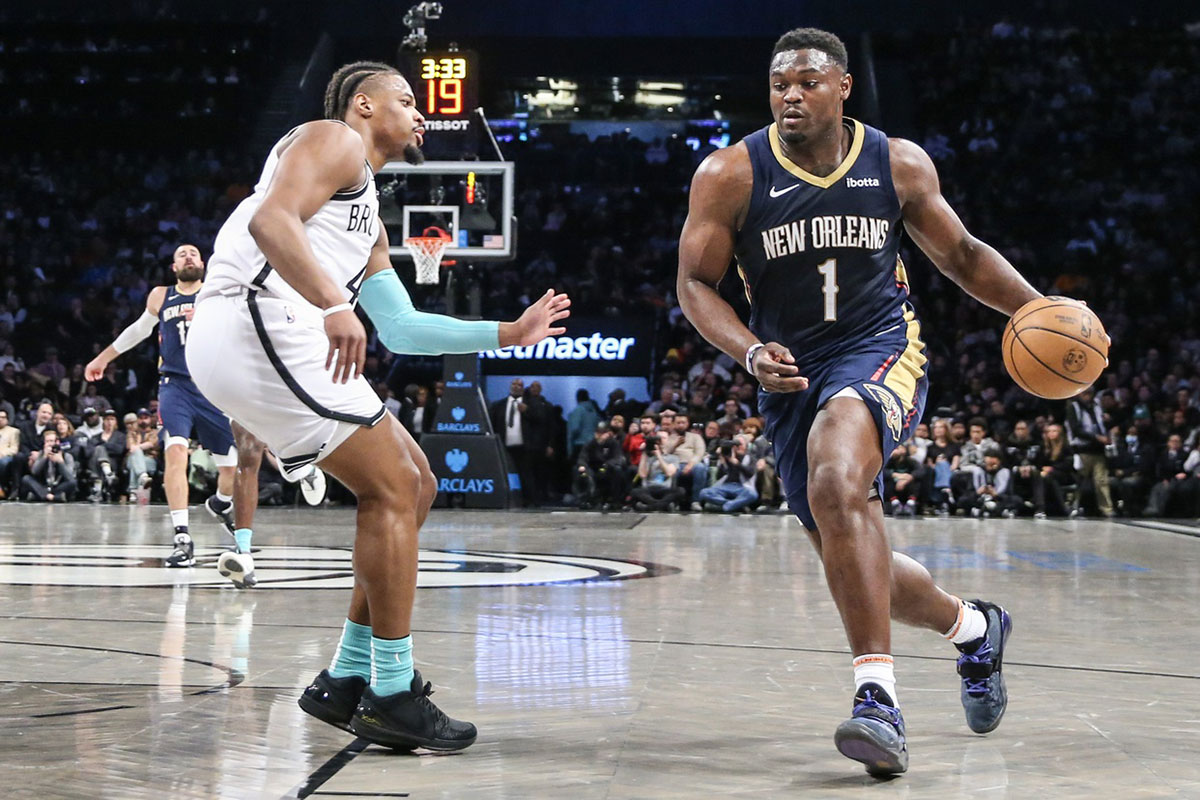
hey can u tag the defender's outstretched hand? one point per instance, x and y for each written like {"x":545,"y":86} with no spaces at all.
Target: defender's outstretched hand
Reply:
{"x":775,"y":368}
{"x":538,"y":321}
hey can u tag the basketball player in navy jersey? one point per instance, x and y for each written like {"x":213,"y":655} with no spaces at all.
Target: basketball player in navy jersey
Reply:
{"x":181,"y":406}
{"x":278,"y":346}
{"x":812,"y":208}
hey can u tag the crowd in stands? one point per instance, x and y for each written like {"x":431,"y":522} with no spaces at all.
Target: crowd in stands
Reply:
{"x":1071,"y":152}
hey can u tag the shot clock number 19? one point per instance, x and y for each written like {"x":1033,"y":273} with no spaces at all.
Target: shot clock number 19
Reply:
{"x":444,"y":79}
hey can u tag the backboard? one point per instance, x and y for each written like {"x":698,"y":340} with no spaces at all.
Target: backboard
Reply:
{"x":470,"y":200}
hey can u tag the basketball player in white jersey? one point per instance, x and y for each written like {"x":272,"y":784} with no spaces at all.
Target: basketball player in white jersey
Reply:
{"x":276,"y":344}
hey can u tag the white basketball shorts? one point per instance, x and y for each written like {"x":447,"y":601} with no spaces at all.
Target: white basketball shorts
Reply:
{"x":261,"y":360}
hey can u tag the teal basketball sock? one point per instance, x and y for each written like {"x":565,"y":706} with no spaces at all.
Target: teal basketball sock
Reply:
{"x":353,"y":654}
{"x":391,"y":665}
{"x":242,"y":536}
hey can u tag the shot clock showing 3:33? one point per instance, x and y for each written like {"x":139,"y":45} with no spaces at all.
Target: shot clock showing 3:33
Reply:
{"x":446,"y":84}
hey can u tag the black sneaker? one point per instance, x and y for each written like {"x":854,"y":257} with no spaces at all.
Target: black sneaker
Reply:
{"x":222,"y":510}
{"x":184,"y":554}
{"x":874,"y":734}
{"x":409,"y":719}
{"x":333,"y":700}
{"x":984,"y":696}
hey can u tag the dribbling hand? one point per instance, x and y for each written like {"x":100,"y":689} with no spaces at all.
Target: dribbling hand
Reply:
{"x":775,"y":368}
{"x":348,"y":342}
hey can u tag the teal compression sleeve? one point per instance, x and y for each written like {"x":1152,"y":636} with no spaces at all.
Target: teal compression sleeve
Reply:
{"x":403,"y":329}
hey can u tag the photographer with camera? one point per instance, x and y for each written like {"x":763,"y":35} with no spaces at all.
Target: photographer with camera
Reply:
{"x":51,"y":477}
{"x":657,"y":473}
{"x":734,"y":489}
{"x":600,"y":471}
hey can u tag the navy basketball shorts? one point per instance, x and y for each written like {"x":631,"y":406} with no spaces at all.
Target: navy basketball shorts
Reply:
{"x":183,"y":409}
{"x":890,"y":378}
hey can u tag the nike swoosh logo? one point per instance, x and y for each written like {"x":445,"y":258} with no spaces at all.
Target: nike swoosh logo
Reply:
{"x":780,"y":192}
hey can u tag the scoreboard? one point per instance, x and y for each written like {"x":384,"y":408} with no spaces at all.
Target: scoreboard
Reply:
{"x":446,"y":85}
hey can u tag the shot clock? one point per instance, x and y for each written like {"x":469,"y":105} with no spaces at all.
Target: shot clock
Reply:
{"x":446,"y":85}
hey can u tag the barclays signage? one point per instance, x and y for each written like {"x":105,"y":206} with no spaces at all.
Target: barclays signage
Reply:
{"x":457,"y":425}
{"x":468,"y":468}
{"x":457,"y":460}
{"x":460,"y":380}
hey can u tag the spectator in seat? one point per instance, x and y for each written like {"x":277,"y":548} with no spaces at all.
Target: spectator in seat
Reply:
{"x":1173,"y":493}
{"x":600,"y":471}
{"x":667,"y":399}
{"x":635,"y":441}
{"x":763,"y":454}
{"x":108,"y":451}
{"x":74,"y":443}
{"x":141,"y":449}
{"x":734,"y":488}
{"x":657,"y":473}
{"x":10,"y":448}
{"x":1089,"y":438}
{"x":970,"y":465}
{"x":993,"y":498}
{"x":51,"y":475}
{"x":1057,"y":468}
{"x":1024,"y":453}
{"x":942,"y":456}
{"x":90,"y":424}
{"x":901,"y":482}
{"x":732,"y":415}
{"x":91,"y":398}
{"x":1133,"y":471}
{"x":688,"y":448}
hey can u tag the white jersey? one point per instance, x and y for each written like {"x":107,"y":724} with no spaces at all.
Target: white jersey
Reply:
{"x":341,"y":234}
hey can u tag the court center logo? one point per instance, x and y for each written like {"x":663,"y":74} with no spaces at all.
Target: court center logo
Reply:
{"x":141,"y":566}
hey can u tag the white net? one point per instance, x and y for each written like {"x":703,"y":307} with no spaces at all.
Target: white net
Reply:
{"x":427,"y":256}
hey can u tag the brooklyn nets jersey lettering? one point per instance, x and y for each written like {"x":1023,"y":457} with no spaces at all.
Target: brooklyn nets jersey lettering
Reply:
{"x":341,"y":235}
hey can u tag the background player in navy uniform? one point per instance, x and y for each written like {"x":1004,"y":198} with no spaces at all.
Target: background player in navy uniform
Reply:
{"x":181,"y":406}
{"x":812,"y":207}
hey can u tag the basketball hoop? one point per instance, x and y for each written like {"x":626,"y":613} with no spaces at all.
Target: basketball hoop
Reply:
{"x":426,"y":251}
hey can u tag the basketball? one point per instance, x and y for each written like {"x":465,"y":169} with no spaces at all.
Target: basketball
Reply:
{"x":1054,"y":347}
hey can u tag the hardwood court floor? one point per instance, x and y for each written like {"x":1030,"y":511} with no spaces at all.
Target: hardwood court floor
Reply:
{"x":601,"y":656}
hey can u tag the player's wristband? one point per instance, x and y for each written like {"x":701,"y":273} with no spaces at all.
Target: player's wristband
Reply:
{"x":751,"y":352}
{"x":336,"y":309}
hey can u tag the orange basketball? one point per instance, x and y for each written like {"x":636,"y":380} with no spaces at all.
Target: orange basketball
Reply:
{"x":1054,"y":347}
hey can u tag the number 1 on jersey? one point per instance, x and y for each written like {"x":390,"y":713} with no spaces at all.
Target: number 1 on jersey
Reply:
{"x":183,"y":329}
{"x":828,"y":268}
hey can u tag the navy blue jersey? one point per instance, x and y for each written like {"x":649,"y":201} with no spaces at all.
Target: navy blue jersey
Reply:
{"x":819,"y":255}
{"x":173,"y":324}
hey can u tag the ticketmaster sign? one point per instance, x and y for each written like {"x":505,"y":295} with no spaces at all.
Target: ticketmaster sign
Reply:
{"x":591,"y":346}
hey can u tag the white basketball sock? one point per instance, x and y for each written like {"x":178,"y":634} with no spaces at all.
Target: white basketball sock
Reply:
{"x":179,"y":519}
{"x":877,"y":668}
{"x":970,"y":625}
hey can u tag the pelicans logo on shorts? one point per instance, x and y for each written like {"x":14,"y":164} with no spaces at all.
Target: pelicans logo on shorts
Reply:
{"x":892,"y":416}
